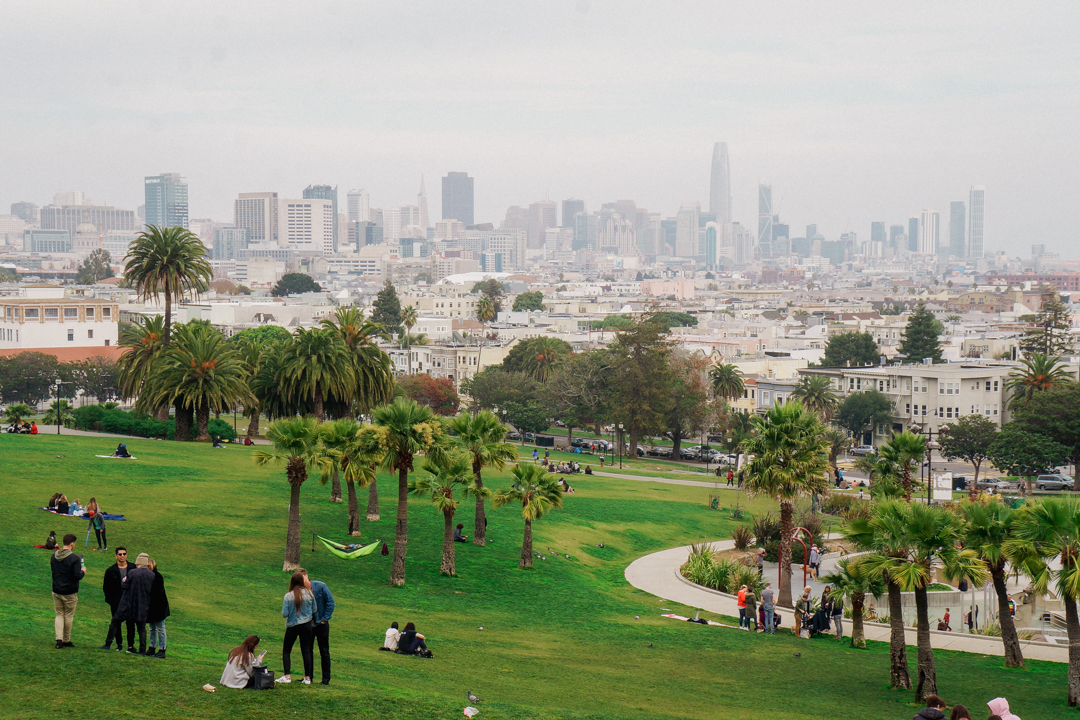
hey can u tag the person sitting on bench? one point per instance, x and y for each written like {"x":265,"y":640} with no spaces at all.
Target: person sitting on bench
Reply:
{"x":122,"y":451}
{"x":459,"y":536}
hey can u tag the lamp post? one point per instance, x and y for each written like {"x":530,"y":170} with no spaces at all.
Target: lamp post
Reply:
{"x":931,"y":446}
{"x":59,"y":411}
{"x":620,"y":445}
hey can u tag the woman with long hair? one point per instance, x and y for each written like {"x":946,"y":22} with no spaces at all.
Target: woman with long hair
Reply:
{"x":238,"y":671}
{"x":411,"y":642}
{"x":155,"y":616}
{"x":298,"y":609}
{"x":97,"y":522}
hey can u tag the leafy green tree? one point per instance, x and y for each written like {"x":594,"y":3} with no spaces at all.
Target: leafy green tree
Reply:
{"x":837,"y":442}
{"x":483,"y":438}
{"x":251,"y":353}
{"x":672,"y":319}
{"x":1053,"y":413}
{"x":493,"y":289}
{"x":261,"y":334}
{"x":96,"y":376}
{"x":576,"y":390}
{"x":727,"y":381}
{"x":537,"y":357}
{"x":29,"y":377}
{"x":638,"y":358}
{"x":1024,"y":454}
{"x":1035,"y":373}
{"x":441,"y":482}
{"x":96,"y":267}
{"x":350,"y":456}
{"x":968,"y":439}
{"x":529,"y":301}
{"x":538,"y":492}
{"x":530,"y":416}
{"x":317,"y":363}
{"x":436,"y":393}
{"x":901,"y":454}
{"x":1052,"y":334}
{"x":853,"y":582}
{"x":168,"y":262}
{"x":386,"y":310}
{"x":816,"y":393}
{"x":689,"y":408}
{"x":861,"y":412}
{"x":295,"y":443}
{"x":404,"y":430}
{"x":61,"y":409}
{"x":854,"y":348}
{"x":920,"y":338}
{"x":614,"y":322}
{"x":295,"y":284}
{"x":790,"y":461}
{"x":494,"y":387}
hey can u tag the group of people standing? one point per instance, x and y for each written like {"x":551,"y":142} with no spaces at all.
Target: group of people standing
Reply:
{"x":828,"y":617}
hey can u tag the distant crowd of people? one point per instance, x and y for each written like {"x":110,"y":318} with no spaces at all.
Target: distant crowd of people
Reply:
{"x":23,"y":428}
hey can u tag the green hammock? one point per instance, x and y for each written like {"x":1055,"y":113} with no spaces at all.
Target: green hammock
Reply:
{"x":339,"y":550}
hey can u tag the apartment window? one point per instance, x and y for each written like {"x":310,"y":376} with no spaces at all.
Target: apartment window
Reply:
{"x":71,"y":313}
{"x":31,"y":313}
{"x":907,"y":409}
{"x":106,"y":313}
{"x":765,"y":397}
{"x":851,"y":384}
{"x":90,"y":313}
{"x":52,"y":313}
{"x":996,"y":387}
{"x":948,"y":412}
{"x":995,"y":406}
{"x":90,"y":334}
{"x":881,"y":385}
{"x":974,"y":409}
{"x":8,"y":313}
{"x":71,"y":336}
{"x":987,"y":386}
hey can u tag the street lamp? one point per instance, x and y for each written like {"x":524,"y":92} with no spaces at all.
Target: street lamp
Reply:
{"x":59,"y":412}
{"x":931,"y":446}
{"x":620,"y":445}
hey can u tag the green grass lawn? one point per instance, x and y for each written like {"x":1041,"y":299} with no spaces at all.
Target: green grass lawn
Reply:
{"x":558,"y":642}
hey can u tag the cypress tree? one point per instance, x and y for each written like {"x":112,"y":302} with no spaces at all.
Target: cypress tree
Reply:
{"x":920,"y":338}
{"x":1052,"y":334}
{"x":386,"y":310}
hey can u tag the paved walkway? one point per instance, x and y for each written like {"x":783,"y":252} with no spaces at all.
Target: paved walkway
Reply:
{"x":658,"y":574}
{"x":51,"y":430}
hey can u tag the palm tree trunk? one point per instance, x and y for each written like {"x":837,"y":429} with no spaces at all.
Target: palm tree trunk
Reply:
{"x":973,"y":491}
{"x":202,"y":422}
{"x":166,"y":335}
{"x":372,"y":514}
{"x":858,"y":638}
{"x":253,"y":425}
{"x":184,"y":418}
{"x":783,"y":593}
{"x":292,"y":538}
{"x":898,"y":669}
{"x":447,"y":567}
{"x":335,"y":486}
{"x":905,"y":481}
{"x":317,"y":401}
{"x":526,"y":561}
{"x":480,"y":525}
{"x":1014,"y":658}
{"x":354,"y":510}
{"x":926,"y":683}
{"x":1072,"y":623}
{"x":401,"y":535}
{"x":162,"y":414}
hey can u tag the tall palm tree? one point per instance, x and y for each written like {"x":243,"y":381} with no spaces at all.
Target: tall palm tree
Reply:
{"x":405,"y":430}
{"x":251,"y":357}
{"x":726,"y":380}
{"x":1049,"y":530}
{"x":483,"y":437}
{"x":316,"y":364}
{"x":1036,"y":372}
{"x":167,"y":261}
{"x":851,"y":581}
{"x":791,"y":460}
{"x":902,"y":453}
{"x":408,"y":319}
{"x":816,"y":393}
{"x":351,"y":457}
{"x":296,"y":445}
{"x":439,"y":485}
{"x":546,"y":354}
{"x":371,"y":365}
{"x":989,"y":529}
{"x":266,"y":383}
{"x":144,"y":341}
{"x":485,"y":309}
{"x":538,"y":492}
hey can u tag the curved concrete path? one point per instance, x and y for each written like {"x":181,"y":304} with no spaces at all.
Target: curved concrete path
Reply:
{"x":658,"y":574}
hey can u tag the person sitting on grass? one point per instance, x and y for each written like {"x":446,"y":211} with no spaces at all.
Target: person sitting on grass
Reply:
{"x":122,"y":451}
{"x":411,"y":642}
{"x":33,"y":428}
{"x":52,"y":501}
{"x":934,"y":709}
{"x":74,"y":508}
{"x":239,"y":668}
{"x":459,"y":535}
{"x":588,"y":470}
{"x":62,"y":506}
{"x":50,"y":543}
{"x":392,"y":635}
{"x":217,"y":442}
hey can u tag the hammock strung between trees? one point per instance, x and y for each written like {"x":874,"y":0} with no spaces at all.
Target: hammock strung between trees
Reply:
{"x":341,"y":552}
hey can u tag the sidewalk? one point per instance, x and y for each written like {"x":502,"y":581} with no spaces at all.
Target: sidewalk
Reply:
{"x":51,"y":430}
{"x":658,"y":574}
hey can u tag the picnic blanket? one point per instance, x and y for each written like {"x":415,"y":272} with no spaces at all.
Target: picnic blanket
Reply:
{"x":107,"y":516}
{"x":340,"y":550}
{"x":117,"y":457}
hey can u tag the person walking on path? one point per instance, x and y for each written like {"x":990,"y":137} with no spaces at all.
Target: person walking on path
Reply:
{"x":751,"y":609}
{"x":536,"y":454}
{"x":155,"y":616}
{"x":730,"y":478}
{"x":768,"y":604}
{"x":815,"y":560}
{"x":741,"y":597}
{"x":298,"y":609}
{"x":67,"y":570}
{"x":135,"y":605}
{"x":324,"y":610}
{"x":113,"y":586}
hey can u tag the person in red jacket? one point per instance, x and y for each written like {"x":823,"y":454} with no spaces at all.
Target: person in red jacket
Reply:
{"x":33,"y":428}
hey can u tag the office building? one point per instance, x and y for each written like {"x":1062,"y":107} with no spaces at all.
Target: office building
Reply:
{"x":258,"y":214}
{"x":720,"y":184}
{"x":1038,"y":250}
{"x":711,"y":243}
{"x":957,"y":236}
{"x":227,"y":241}
{"x":307,"y":224}
{"x":975,"y":222}
{"x":877,"y":238}
{"x":457,"y":197}
{"x":765,"y":214}
{"x":570,"y":209}
{"x":398,"y":220}
{"x":913,"y":235}
{"x":687,"y":230}
{"x":542,"y":215}
{"x":928,"y":235}
{"x":895,"y":231}
{"x":359,"y":207}
{"x":166,"y":200}
{"x":71,"y":197}
{"x":27,"y":211}
{"x":586,"y":227}
{"x":326,"y":192}
{"x":46,"y":241}
{"x":617,"y":236}
{"x":421,"y":204}
{"x":102,"y":217}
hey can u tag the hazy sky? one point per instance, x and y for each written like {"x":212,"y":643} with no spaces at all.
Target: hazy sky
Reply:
{"x":853,"y":111}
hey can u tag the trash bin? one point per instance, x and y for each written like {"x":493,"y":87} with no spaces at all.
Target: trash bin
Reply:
{"x":545,"y":441}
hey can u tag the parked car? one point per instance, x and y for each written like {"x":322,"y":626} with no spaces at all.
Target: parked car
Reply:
{"x":688,"y":453}
{"x":863,"y":450}
{"x":1054,"y":482}
{"x":530,"y":437}
{"x":513,"y":435}
{"x":997,"y":485}
{"x":663,"y":451}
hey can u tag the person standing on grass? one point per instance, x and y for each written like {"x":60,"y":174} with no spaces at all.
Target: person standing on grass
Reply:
{"x":751,"y":609}
{"x":838,"y":615}
{"x":741,"y":597}
{"x":135,"y":605}
{"x":67,"y":571}
{"x":298,"y":608}
{"x":158,"y":611}
{"x":324,"y":610}
{"x":768,"y":604}
{"x":114,"y":586}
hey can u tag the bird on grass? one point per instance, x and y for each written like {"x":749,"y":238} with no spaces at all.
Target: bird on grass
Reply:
{"x":637,"y":617}
{"x":798,"y":655}
{"x":480,"y":628}
{"x":600,"y":545}
{"x":650,"y":644}
{"x":472,"y":698}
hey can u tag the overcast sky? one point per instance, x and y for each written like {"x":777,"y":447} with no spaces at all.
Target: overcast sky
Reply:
{"x":854,"y":112}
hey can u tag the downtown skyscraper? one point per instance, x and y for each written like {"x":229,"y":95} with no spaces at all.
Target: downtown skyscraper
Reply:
{"x":765,"y":215}
{"x":720,"y":184}
{"x":976,"y":198}
{"x":325,"y":192}
{"x":457,"y":197}
{"x":166,"y":200}
{"x":957,"y":236}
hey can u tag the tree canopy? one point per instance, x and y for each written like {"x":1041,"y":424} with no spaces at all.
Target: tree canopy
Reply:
{"x":386,"y":310}
{"x":493,"y":289}
{"x":96,"y":267}
{"x":436,"y":393}
{"x":261,"y":334}
{"x":920,"y":337}
{"x":1052,"y":333}
{"x":861,"y":412}
{"x":1053,"y":413}
{"x":294,"y":284}
{"x":855,"y":348}
{"x":1025,"y":454}
{"x":528,"y":356}
{"x":529,"y":301}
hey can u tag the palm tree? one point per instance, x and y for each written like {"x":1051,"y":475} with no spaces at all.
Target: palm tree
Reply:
{"x":144,"y":341}
{"x":727,"y":381}
{"x":837,"y":441}
{"x":1037,"y":372}
{"x":483,"y":437}
{"x":406,"y":429}
{"x":547,"y":353}
{"x":371,"y":365}
{"x":351,"y":456}
{"x":316,"y":364}
{"x":790,"y":460}
{"x":15,"y":413}
{"x":538,"y":491}
{"x":485,"y":309}
{"x":988,"y":532}
{"x":408,"y":319}
{"x":296,"y":444}
{"x":251,"y":353}
{"x":167,"y":261}
{"x":816,"y":393}
{"x":59,"y":409}
{"x":1045,"y":530}
{"x":902,"y":453}
{"x":867,"y":464}
{"x":853,"y":582}
{"x":439,"y":485}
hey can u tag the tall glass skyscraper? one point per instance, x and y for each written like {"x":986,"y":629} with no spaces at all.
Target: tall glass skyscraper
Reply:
{"x":913,"y":234}
{"x":167,"y":200}
{"x":765,"y":215}
{"x":457,"y":198}
{"x":957,"y":236}
{"x":720,"y":184}
{"x":325,"y":192}
{"x":975,"y":221}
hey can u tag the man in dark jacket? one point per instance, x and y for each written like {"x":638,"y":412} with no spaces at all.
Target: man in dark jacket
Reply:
{"x":67,"y":571}
{"x":135,"y":604}
{"x":324,"y":610}
{"x":113,"y":586}
{"x":933,"y":710}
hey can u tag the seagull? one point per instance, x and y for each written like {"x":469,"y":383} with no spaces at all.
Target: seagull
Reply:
{"x":650,"y":644}
{"x":600,"y":545}
{"x":637,"y":617}
{"x":480,"y":628}
{"x":472,"y":698}
{"x":567,"y":557}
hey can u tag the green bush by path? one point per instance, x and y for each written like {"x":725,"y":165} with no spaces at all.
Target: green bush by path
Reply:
{"x":100,"y":418}
{"x":558,"y":642}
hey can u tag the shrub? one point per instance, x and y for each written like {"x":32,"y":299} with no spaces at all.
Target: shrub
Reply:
{"x":221,"y":429}
{"x":766,"y":529}
{"x":102,"y":418}
{"x":748,"y":576}
{"x":742,"y":537}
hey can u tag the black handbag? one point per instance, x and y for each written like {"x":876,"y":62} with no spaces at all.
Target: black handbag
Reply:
{"x":262,"y":678}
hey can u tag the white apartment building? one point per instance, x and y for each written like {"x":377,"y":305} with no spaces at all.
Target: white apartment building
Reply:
{"x":307,"y":224}
{"x":43,"y":318}
{"x":258,"y":212}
